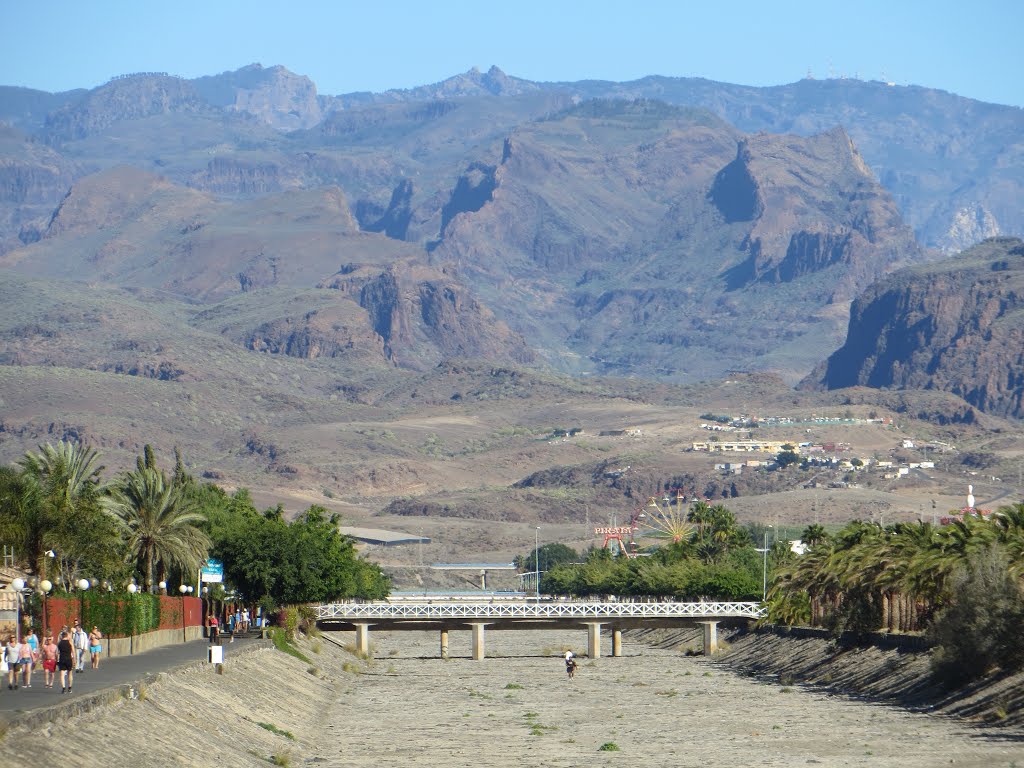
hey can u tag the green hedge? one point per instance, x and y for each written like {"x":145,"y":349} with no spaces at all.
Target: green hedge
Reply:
{"x":121,"y":615}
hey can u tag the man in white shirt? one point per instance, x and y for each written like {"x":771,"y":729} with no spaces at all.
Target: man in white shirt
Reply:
{"x":80,"y":641}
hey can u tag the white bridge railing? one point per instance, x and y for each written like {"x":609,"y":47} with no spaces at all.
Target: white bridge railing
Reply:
{"x":539,"y":611}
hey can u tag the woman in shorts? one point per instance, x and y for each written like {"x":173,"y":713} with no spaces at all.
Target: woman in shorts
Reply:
{"x":66,"y":659}
{"x":11,"y":656}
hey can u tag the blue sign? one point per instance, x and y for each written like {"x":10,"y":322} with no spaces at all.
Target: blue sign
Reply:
{"x":212,"y":571}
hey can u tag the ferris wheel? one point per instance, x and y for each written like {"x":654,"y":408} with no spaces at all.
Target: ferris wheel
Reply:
{"x":665,"y":518}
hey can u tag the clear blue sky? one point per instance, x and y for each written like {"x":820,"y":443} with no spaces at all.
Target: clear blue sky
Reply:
{"x":970,"y":48}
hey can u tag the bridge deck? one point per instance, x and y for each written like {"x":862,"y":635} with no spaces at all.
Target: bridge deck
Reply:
{"x":554,"y":612}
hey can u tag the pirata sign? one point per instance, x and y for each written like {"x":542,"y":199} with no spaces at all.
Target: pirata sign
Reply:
{"x":622,"y":530}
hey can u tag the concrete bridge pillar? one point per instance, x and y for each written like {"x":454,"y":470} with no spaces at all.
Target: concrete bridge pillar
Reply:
{"x":444,"y":643}
{"x":363,"y":639}
{"x":594,"y":640}
{"x":478,"y":641}
{"x":616,"y":642}
{"x":710,"y":637}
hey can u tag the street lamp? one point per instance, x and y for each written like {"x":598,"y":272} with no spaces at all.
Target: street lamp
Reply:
{"x":764,"y":565}
{"x":536,"y":557}
{"x":18,"y":585}
{"x":44,"y":587}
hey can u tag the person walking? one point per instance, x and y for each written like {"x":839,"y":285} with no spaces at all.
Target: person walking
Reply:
{"x":33,"y":643}
{"x":80,"y":642}
{"x":25,"y":662}
{"x":95,"y":647}
{"x":49,"y":653}
{"x":11,"y":655}
{"x":66,"y":658}
{"x":214,"y":627}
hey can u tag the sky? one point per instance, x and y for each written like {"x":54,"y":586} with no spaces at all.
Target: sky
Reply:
{"x":969,"y":48}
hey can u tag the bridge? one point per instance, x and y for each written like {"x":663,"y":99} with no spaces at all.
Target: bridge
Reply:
{"x":444,"y":615}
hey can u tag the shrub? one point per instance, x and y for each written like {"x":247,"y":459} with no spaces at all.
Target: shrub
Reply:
{"x":979,"y":630}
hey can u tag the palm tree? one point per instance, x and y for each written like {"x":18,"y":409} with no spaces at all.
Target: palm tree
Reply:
{"x":813,"y":534}
{"x":159,"y":524}
{"x":61,"y":492}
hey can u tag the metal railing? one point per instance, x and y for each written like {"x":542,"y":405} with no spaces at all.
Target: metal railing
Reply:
{"x":538,"y":611}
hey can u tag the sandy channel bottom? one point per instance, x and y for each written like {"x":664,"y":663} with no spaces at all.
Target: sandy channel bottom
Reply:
{"x":658,"y":707}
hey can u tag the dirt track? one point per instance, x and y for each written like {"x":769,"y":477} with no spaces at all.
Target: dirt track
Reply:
{"x":517,"y":708}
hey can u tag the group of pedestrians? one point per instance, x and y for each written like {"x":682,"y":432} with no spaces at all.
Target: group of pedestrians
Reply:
{"x":65,"y":655}
{"x":237,"y":622}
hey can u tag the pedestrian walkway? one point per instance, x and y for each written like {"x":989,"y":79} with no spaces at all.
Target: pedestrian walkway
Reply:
{"x":114,"y":673}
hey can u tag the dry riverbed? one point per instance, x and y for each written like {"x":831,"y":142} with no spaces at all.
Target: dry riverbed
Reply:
{"x":651,"y":707}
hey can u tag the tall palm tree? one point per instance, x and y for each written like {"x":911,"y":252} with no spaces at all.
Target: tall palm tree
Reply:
{"x":159,"y":524}
{"x":62,"y":490}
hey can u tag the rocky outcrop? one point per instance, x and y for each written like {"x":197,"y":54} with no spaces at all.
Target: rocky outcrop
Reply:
{"x":349,"y":124}
{"x":238,"y":177}
{"x":33,"y":179}
{"x":493,"y":82}
{"x":735,"y":191}
{"x":421,"y":316}
{"x":812,"y":204}
{"x":956,"y":326}
{"x":472,"y":191}
{"x":394,"y":221}
{"x":131,"y":97}
{"x":282,"y":99}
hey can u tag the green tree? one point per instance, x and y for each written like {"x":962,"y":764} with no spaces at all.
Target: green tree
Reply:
{"x":550,"y":555}
{"x":56,"y":504}
{"x":160,"y":526}
{"x":787,"y":457}
{"x":814,"y":534}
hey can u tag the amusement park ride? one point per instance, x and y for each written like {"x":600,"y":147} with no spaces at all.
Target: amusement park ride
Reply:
{"x":665,"y":519}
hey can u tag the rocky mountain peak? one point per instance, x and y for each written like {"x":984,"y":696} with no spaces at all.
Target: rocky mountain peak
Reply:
{"x":128,"y":97}
{"x":276,"y":96}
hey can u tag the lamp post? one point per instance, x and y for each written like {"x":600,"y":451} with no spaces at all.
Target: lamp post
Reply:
{"x":536,"y":557}
{"x":18,"y":585}
{"x":184,"y":589}
{"x":83,"y":585}
{"x":764,"y":566}
{"x":44,"y":588}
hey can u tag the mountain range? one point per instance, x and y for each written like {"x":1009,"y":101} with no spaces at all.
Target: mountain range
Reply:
{"x":163,"y":230}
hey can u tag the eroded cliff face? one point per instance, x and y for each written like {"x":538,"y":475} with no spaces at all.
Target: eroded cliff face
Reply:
{"x":956,"y":326}
{"x":421,"y":315}
{"x":328,"y":332}
{"x":812,"y":204}
{"x":33,"y":180}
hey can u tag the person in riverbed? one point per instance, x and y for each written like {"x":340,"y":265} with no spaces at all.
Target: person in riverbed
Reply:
{"x":570,"y":664}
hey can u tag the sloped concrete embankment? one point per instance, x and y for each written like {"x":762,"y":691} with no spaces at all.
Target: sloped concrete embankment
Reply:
{"x":266,"y":706}
{"x":899,"y":674}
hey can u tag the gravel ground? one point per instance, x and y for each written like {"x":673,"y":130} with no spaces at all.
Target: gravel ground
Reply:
{"x":408,"y":707}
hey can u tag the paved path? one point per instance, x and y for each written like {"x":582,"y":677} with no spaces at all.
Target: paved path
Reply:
{"x":113,"y":673}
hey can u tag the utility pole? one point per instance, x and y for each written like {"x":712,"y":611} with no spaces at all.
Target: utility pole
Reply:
{"x":536,"y":557}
